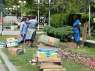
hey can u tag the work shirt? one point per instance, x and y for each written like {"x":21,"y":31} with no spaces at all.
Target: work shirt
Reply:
{"x":31,"y":32}
{"x":23,"y":28}
{"x":77,"y":22}
{"x":76,"y":26}
{"x":33,"y":23}
{"x":76,"y":30}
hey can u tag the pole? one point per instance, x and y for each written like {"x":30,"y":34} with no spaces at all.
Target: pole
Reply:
{"x":89,"y":22}
{"x":38,"y":13}
{"x":1,"y":22}
{"x":21,"y":10}
{"x":16,"y":12}
{"x":49,"y":13}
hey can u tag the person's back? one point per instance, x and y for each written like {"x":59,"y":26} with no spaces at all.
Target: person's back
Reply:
{"x":76,"y":23}
{"x":33,"y":23}
{"x":76,"y":31}
{"x":76,"y":26}
{"x":31,"y":33}
{"x":23,"y":29}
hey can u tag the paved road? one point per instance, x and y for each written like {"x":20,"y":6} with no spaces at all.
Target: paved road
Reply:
{"x":9,"y":32}
{"x":8,"y":64}
{"x":2,"y":67}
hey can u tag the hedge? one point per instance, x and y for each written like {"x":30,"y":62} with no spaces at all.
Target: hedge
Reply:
{"x":59,"y":20}
{"x":63,"y":33}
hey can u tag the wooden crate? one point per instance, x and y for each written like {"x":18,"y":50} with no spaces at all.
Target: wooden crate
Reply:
{"x":51,"y":67}
{"x":49,"y":60}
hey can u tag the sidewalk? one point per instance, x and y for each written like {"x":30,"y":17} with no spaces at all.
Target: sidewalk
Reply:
{"x":9,"y":32}
{"x":2,"y":67}
{"x":8,"y":64}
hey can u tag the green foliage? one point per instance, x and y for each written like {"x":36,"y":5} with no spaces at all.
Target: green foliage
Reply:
{"x":63,"y":33}
{"x":65,"y":18}
{"x":56,"y":20}
{"x":58,"y":6}
{"x":84,"y":17}
{"x":59,"y":20}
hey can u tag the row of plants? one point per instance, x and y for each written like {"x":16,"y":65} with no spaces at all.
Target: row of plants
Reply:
{"x":63,"y":33}
{"x":61,"y":19}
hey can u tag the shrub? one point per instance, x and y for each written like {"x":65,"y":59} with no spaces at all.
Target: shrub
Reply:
{"x":58,"y":20}
{"x":62,"y":33}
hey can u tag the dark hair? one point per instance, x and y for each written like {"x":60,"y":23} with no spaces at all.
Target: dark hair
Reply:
{"x":24,"y":19}
{"x":32,"y":17}
{"x":29,"y":17}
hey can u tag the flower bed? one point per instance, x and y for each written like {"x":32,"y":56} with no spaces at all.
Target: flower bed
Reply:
{"x":80,"y":58}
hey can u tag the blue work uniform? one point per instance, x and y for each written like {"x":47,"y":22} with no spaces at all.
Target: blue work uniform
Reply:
{"x":33,"y":24}
{"x":76,"y":30}
{"x":31,"y":30}
{"x":23,"y":30}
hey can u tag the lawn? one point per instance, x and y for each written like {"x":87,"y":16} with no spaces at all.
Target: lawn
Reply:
{"x":1,"y":60}
{"x":3,"y":38}
{"x":22,"y":61}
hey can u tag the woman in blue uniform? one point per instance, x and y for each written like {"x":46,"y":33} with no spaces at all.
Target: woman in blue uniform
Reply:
{"x":23,"y":29}
{"x":31,"y":32}
{"x":76,"y":31}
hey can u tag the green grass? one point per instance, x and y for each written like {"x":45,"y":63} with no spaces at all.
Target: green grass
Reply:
{"x":3,"y":37}
{"x":22,"y":61}
{"x":1,"y":60}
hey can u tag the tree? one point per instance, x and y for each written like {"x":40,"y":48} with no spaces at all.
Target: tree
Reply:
{"x":57,"y":6}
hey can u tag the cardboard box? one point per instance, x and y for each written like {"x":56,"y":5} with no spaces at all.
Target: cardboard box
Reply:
{"x":11,"y":42}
